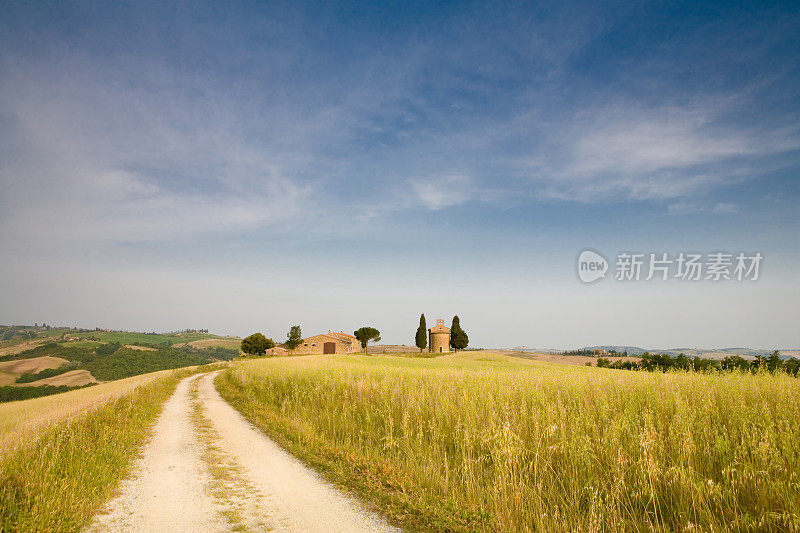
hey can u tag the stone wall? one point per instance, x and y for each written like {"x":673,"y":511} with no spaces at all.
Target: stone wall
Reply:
{"x":439,"y":342}
{"x":315,"y":345}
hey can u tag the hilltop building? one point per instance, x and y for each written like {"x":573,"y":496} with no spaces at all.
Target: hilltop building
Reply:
{"x":328,"y":343}
{"x":439,"y":338}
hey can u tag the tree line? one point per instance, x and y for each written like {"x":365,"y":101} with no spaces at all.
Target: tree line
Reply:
{"x":592,"y":353}
{"x":664,"y":362}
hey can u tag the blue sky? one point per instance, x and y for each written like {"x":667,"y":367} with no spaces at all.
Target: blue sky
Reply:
{"x":249,"y":166}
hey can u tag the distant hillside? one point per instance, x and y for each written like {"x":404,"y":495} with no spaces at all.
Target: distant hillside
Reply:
{"x":632,"y":350}
{"x":717,"y":353}
{"x":46,"y":361}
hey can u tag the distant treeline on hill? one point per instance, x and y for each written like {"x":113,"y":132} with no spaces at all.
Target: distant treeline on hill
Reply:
{"x":22,"y":332}
{"x":592,"y":353}
{"x":664,"y":362}
{"x":8,"y":333}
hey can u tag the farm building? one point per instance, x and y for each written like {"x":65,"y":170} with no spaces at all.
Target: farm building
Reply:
{"x":277,"y":350}
{"x":439,"y":338}
{"x":327,"y":343}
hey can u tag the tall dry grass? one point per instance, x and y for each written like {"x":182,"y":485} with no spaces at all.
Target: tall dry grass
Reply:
{"x":19,"y":421}
{"x":55,"y":473}
{"x":464,"y":443}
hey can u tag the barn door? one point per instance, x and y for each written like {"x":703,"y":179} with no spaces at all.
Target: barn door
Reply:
{"x":329,"y":347}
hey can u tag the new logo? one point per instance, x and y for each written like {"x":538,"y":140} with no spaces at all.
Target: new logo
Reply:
{"x":591,"y":266}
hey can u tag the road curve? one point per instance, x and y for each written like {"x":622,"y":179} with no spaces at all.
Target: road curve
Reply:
{"x":207,"y":468}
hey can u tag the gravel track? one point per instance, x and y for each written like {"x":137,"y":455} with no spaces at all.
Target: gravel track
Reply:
{"x":207,"y":468}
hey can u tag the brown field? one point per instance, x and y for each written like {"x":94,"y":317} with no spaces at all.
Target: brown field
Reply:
{"x":558,"y":358}
{"x":21,"y":347}
{"x":34,"y":365}
{"x":73,"y":378}
{"x":231,"y":343}
{"x":141,"y":348}
{"x":7,"y":379}
{"x":392,"y":348}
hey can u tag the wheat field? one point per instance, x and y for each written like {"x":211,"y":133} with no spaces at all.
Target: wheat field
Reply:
{"x":482,"y":442}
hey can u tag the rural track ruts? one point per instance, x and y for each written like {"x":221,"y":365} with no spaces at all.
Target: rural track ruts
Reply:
{"x":206,"y":468}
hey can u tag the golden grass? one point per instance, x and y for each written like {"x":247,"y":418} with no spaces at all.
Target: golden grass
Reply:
{"x":18,"y":420}
{"x":58,"y":478}
{"x":487,"y":442}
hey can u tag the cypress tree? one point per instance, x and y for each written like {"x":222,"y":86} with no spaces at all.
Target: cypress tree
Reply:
{"x":422,"y":334}
{"x":458,"y":337}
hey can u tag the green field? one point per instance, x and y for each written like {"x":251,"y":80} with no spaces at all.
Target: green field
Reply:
{"x":488,"y":442}
{"x":104,"y":361}
{"x":122,"y":337}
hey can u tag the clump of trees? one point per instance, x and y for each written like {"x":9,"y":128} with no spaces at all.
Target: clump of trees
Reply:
{"x":366,"y":334}
{"x":422,"y":334}
{"x":664,"y":362}
{"x":256,"y":344}
{"x":13,"y":394}
{"x":293,"y":338}
{"x":458,"y":337}
{"x":107,"y":349}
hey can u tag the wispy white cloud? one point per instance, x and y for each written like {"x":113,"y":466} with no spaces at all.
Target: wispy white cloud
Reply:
{"x":442,"y":191}
{"x":653,"y":153}
{"x":723,"y":208}
{"x":97,"y":161}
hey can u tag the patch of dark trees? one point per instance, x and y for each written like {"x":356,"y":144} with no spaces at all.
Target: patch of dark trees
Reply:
{"x":13,"y":394}
{"x":664,"y":362}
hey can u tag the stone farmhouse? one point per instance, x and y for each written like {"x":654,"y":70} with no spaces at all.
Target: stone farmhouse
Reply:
{"x":328,"y":343}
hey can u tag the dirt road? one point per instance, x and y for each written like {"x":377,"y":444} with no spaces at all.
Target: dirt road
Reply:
{"x":207,"y":469}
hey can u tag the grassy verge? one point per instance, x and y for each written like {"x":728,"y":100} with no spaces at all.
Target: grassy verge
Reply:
{"x":490,"y":443}
{"x":57,"y":478}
